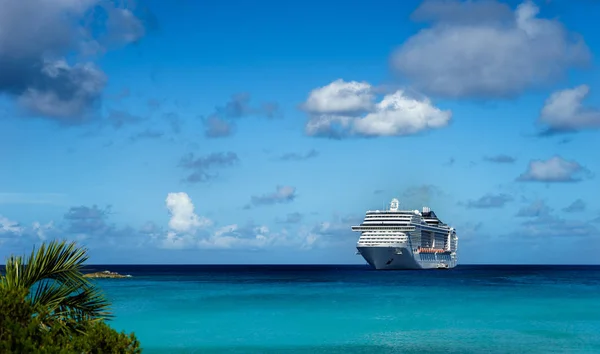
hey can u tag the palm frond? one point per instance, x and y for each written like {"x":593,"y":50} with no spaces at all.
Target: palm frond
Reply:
{"x":84,"y":303}
{"x":13,"y":272}
{"x":56,"y":286}
{"x":59,"y":260}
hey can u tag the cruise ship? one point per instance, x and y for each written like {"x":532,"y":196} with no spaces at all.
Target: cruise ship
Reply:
{"x":406,"y":239}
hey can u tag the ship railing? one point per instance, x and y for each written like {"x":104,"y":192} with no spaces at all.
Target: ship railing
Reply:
{"x":432,"y":250}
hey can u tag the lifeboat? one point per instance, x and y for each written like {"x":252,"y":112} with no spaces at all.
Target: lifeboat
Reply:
{"x":431,"y":250}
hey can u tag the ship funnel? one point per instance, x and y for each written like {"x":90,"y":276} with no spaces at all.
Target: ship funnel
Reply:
{"x":426,"y":210}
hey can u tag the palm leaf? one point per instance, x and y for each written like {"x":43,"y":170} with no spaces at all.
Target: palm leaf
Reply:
{"x":59,"y":260}
{"x":61,"y":293}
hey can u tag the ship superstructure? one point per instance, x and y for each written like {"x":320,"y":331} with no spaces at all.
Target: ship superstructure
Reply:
{"x":406,"y":239}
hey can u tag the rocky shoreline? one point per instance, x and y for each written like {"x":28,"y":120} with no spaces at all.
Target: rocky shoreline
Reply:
{"x":106,"y":274}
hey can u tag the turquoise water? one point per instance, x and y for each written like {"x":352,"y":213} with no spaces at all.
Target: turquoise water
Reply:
{"x":348,"y":309}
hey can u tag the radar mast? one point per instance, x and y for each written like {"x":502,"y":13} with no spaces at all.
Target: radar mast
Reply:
{"x":394,"y":204}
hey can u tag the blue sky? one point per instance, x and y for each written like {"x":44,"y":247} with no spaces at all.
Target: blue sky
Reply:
{"x":230,"y":132}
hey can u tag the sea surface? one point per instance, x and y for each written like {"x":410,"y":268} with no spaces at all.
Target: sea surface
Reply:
{"x":353,"y":309}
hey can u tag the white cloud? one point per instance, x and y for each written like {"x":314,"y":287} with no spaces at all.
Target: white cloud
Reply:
{"x":340,"y":97}
{"x":183,"y":218}
{"x":397,"y":114}
{"x":487,"y":56}
{"x":343,"y":109}
{"x":329,"y":125}
{"x":188,"y":230}
{"x":564,"y":111}
{"x":42,"y":231}
{"x":555,"y":169}
{"x":8,"y":226}
{"x":231,"y":236}
{"x":11,"y":230}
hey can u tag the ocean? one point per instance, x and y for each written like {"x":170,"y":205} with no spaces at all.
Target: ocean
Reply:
{"x":353,"y":309}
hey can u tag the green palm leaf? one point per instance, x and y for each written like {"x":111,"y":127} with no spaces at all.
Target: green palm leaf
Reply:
{"x":55,"y":284}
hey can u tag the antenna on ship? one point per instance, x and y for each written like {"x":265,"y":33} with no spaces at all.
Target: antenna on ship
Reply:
{"x":394,"y":204}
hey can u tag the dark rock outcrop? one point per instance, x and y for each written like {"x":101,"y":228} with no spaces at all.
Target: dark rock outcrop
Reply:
{"x":106,"y":274}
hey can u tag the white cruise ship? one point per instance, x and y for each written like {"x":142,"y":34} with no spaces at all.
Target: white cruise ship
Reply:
{"x":406,"y":239}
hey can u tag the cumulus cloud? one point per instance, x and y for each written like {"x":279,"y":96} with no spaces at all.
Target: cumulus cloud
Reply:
{"x":282,"y":194}
{"x":231,"y":236}
{"x":500,"y":159}
{"x":43,"y":231}
{"x":183,"y":223}
{"x":202,"y":166}
{"x":12,"y":231}
{"x":341,"y":97}
{"x":397,"y":114}
{"x":489,"y":201}
{"x":555,"y":169}
{"x":33,"y":58}
{"x":564,"y":111}
{"x":188,"y":230}
{"x":9,"y":227}
{"x":575,"y":207}
{"x":343,"y":109}
{"x":185,"y":229}
{"x":183,"y":218}
{"x":221,"y":123}
{"x":474,"y":49}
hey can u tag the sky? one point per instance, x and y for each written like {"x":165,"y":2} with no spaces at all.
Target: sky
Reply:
{"x":260,"y":132}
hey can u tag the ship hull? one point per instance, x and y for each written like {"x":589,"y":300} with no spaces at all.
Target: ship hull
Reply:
{"x":399,"y":258}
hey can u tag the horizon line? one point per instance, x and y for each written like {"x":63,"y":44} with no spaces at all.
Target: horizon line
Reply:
{"x":319,"y":264}
{"x":337,"y":264}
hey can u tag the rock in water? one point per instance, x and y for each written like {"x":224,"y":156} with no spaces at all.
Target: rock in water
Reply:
{"x":106,"y":274}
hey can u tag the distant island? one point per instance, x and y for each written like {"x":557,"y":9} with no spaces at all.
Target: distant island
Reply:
{"x":106,"y":274}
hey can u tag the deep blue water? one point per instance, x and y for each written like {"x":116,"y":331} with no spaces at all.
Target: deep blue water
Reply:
{"x":353,"y":309}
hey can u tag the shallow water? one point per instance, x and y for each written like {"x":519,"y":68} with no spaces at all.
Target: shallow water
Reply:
{"x":352,"y":309}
